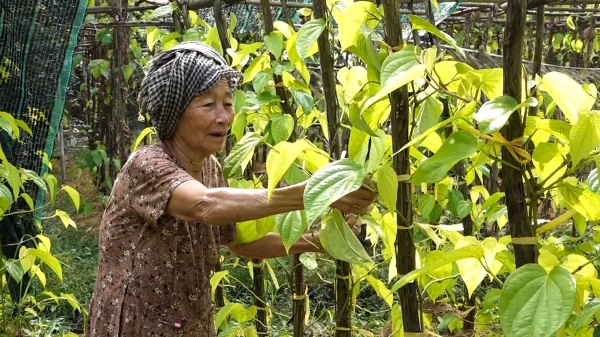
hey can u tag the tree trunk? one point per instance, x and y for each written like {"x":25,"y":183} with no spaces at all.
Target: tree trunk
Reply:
{"x":405,"y":247}
{"x":262,"y":323}
{"x":521,"y":229}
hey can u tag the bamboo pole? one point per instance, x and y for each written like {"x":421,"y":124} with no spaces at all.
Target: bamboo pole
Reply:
{"x":405,"y":246}
{"x":521,"y":229}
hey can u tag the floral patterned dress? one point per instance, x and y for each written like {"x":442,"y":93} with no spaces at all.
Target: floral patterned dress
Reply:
{"x":154,"y":270}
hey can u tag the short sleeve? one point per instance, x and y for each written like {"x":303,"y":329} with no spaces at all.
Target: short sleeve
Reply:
{"x":151,"y":176}
{"x":227,"y":233}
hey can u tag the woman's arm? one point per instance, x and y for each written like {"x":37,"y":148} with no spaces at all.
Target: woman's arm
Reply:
{"x":192,"y":201}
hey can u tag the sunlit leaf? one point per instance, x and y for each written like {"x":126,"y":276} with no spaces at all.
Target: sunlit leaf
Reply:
{"x":547,"y":159}
{"x":387,"y":183}
{"x":584,"y":136}
{"x":253,"y":230}
{"x":419,"y":23}
{"x":380,"y":289}
{"x":49,"y":260}
{"x":399,"y":62}
{"x":152,"y":36}
{"x":282,"y":127}
{"x":557,"y":84}
{"x":65,"y":218}
{"x":581,"y":199}
{"x":308,"y":35}
{"x":73,"y":194}
{"x":279,"y":160}
{"x":216,"y":278}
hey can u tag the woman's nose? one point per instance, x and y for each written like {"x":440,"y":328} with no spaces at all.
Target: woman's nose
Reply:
{"x":222,"y":115}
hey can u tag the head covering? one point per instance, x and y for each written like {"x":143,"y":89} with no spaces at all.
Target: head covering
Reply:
{"x":175,"y":76}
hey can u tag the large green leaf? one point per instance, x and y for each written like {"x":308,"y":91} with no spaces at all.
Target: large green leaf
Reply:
{"x":535,"y":303}
{"x":282,"y":127}
{"x":566,"y":92}
{"x":547,"y":159}
{"x":274,"y":43}
{"x":308,"y":35}
{"x":399,"y":62}
{"x":279,"y":160}
{"x":339,"y":240}
{"x":241,"y":153}
{"x":493,"y":114}
{"x":581,"y":199}
{"x":329,"y":184}
{"x":460,"y":145}
{"x":419,"y":23}
{"x":387,"y":183}
{"x":428,"y":115}
{"x":584,"y":136}
{"x":291,"y":226}
{"x":449,"y":257}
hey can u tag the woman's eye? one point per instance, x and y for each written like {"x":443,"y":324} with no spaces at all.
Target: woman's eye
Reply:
{"x":207,"y":104}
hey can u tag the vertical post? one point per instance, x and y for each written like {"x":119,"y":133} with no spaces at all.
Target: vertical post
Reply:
{"x":119,"y":139}
{"x":343,"y":317}
{"x":262,"y":323}
{"x":405,"y":246}
{"x":63,"y":160}
{"x":521,"y":229}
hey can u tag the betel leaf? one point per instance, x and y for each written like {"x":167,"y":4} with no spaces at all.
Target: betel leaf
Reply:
{"x":581,"y":199}
{"x":471,"y":270}
{"x":380,"y":289}
{"x":547,"y":159}
{"x":291,"y":226}
{"x":387,"y":183}
{"x":584,"y":136}
{"x":241,"y":153}
{"x":308,"y":35}
{"x":419,"y":23}
{"x":161,"y":11}
{"x":274,"y":43}
{"x":309,"y":261}
{"x":449,"y":257}
{"x":73,"y":194}
{"x":329,"y":184}
{"x":460,"y":145}
{"x":557,"y":85}
{"x":339,"y":240}
{"x":282,"y":127}
{"x":358,"y":121}
{"x":536,"y":303}
{"x":253,"y":230}
{"x":279,"y":160}
{"x":152,"y":36}
{"x":398,"y":62}
{"x":584,"y":318}
{"x":493,"y":114}
{"x":49,"y":260}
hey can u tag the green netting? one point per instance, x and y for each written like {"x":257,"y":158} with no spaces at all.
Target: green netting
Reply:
{"x":37,"y":38}
{"x":248,"y":22}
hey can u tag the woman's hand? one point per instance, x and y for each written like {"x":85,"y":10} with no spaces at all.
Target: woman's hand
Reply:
{"x":357,"y":202}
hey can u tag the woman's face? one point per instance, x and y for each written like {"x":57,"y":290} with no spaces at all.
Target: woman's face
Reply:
{"x":206,"y":120}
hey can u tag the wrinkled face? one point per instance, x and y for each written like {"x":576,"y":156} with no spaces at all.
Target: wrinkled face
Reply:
{"x":204,"y":124}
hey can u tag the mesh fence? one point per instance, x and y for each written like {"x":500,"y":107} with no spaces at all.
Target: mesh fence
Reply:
{"x":248,"y":21}
{"x":37,"y":38}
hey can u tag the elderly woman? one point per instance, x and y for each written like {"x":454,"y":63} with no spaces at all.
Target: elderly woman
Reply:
{"x":170,"y":209}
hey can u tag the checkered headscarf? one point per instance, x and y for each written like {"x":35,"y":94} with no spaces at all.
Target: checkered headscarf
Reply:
{"x":175,"y":76}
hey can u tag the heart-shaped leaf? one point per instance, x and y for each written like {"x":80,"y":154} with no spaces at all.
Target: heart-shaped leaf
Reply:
{"x":536,"y":303}
{"x":329,"y":184}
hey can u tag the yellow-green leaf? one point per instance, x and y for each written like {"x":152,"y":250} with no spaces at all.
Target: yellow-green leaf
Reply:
{"x":471,"y":270}
{"x":557,"y":84}
{"x":152,"y":36}
{"x":547,"y":159}
{"x":279,"y":160}
{"x":581,"y":199}
{"x":387,"y":183}
{"x":584,"y":136}
{"x":73,"y":194}
{"x":339,"y":240}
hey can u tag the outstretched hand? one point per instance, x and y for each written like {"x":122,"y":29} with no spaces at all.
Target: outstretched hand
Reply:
{"x":357,"y":202}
